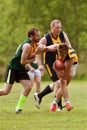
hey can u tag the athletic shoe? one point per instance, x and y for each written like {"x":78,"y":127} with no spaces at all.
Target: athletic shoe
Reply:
{"x":18,"y":111}
{"x":69,"y":107}
{"x":60,"y":108}
{"x":53,"y":107}
{"x":37,"y":100}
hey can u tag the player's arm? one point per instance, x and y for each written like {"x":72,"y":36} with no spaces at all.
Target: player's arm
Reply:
{"x":66,"y":72}
{"x":68,"y":65}
{"x":67,"y":40}
{"x":30,"y":67}
{"x":42,"y":42}
{"x":42,"y":48}
{"x":52,"y":48}
{"x":60,"y":73}
{"x":25,"y":54}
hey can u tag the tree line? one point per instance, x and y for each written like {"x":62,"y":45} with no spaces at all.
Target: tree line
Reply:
{"x":16,"y":17}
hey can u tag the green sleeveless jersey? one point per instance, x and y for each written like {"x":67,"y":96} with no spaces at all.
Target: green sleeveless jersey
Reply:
{"x":15,"y":61}
{"x":34,"y":64}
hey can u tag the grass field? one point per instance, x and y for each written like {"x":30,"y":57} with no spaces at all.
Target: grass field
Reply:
{"x":33,"y":119}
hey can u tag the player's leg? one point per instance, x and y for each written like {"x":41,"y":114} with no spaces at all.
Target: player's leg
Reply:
{"x":62,"y":91}
{"x":9,"y":80}
{"x":27,"y":88}
{"x":24,"y":79}
{"x":69,"y":78}
{"x":48,"y":89}
{"x":38,"y":80}
{"x":6,"y":89}
{"x":56,"y":88}
{"x":38,"y":96}
{"x":31,"y":75}
{"x":54,"y":78}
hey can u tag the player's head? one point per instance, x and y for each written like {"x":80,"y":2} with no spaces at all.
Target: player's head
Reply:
{"x":62,"y":51}
{"x":55,"y":26}
{"x":34,"y":34}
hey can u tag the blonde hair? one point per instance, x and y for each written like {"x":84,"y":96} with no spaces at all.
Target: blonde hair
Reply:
{"x":54,"y":21}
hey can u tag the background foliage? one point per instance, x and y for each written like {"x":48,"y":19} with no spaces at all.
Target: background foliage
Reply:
{"x":16,"y":17}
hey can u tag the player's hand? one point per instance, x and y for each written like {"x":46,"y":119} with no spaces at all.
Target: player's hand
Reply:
{"x":41,"y":49}
{"x":32,"y":69}
{"x":42,"y":73}
{"x":41,"y":68}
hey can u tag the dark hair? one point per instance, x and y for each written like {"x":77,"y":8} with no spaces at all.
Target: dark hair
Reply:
{"x":32,"y":31}
{"x":63,"y":48}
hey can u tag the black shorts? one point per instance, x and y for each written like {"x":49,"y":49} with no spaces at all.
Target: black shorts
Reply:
{"x":51,"y":72}
{"x":12,"y":75}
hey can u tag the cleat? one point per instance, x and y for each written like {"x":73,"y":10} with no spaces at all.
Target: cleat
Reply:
{"x":53,"y":107}
{"x":37,"y":100}
{"x":69,"y":107}
{"x":60,"y":108}
{"x":18,"y":111}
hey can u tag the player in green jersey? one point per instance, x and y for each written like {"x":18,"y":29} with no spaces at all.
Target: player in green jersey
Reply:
{"x":16,"y":70}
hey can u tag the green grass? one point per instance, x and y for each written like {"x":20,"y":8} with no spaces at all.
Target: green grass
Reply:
{"x":33,"y":119}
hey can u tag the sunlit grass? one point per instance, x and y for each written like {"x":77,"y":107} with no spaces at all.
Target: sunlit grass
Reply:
{"x":33,"y":119}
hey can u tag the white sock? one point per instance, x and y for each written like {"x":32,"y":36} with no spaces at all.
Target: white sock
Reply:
{"x":67,"y":101}
{"x":55,"y":101}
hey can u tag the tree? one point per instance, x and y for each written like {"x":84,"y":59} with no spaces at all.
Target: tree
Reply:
{"x":16,"y":17}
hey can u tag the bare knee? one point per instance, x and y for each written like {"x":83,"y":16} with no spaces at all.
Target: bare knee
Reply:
{"x":4,"y":92}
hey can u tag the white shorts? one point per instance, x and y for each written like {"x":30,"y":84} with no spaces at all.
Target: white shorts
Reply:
{"x":73,"y":69}
{"x":37,"y":72}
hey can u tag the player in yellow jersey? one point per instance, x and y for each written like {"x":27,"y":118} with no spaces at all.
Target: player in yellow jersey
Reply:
{"x":71,"y":62}
{"x":70,"y":59}
{"x":16,"y":70}
{"x":55,"y":36}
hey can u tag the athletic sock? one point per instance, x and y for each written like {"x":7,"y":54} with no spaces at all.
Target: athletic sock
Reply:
{"x":55,"y":101}
{"x":46,"y":91}
{"x":67,"y":101}
{"x":21,"y":102}
{"x":59,"y":103}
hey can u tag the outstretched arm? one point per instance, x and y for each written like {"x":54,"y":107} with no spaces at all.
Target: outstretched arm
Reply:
{"x":42,"y":48}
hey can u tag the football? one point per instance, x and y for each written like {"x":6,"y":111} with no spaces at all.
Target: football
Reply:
{"x":59,"y":64}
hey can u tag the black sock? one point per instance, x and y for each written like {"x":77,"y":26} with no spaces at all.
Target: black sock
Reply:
{"x":46,"y":91}
{"x":60,"y":103}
